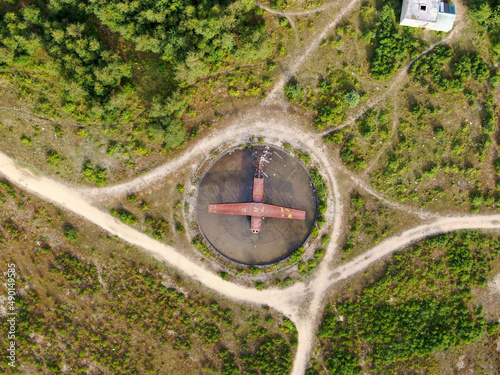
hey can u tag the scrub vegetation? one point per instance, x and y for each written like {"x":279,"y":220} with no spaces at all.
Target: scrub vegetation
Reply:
{"x":137,"y":84}
{"x":87,"y":302}
{"x":98,"y":91}
{"x":420,"y":305}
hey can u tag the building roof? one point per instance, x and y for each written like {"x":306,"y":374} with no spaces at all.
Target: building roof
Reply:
{"x":429,"y":14}
{"x":422,"y":10}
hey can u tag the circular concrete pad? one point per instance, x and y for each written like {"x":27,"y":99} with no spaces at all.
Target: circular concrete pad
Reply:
{"x":229,"y":180}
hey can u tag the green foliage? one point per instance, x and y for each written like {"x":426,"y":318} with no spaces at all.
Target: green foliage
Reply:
{"x":393,"y":46}
{"x":180,"y":188}
{"x":158,"y":228}
{"x":308,"y":267}
{"x":8,"y":188}
{"x":325,"y":240}
{"x":124,"y":216}
{"x":208,"y":332}
{"x":433,"y":68}
{"x":297,"y":255}
{"x":179,"y":228}
{"x":337,"y":137}
{"x":374,"y":129}
{"x":259,"y":285}
{"x":112,"y":148}
{"x":490,"y":117}
{"x":53,"y":158}
{"x":170,"y":132}
{"x":71,"y":43}
{"x":351,"y":99}
{"x":70,"y":232}
{"x":293,"y":91}
{"x":137,"y":311}
{"x":303,"y":156}
{"x":319,"y":183}
{"x":329,"y":100}
{"x":95,"y":174}
{"x":254,"y":270}
{"x":132,"y":198}
{"x":198,"y":242}
{"x":314,"y":232}
{"x":173,"y":29}
{"x":486,"y":13}
{"x":81,"y":276}
{"x":26,"y":141}
{"x":420,"y":305}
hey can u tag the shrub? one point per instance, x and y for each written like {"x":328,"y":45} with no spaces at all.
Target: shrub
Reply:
{"x":179,"y":228}
{"x":26,"y":140}
{"x":351,"y":99}
{"x":293,"y":91}
{"x":70,"y":232}
{"x":124,"y":216}
{"x":94,"y":174}
{"x":53,"y":158}
{"x":132,"y":198}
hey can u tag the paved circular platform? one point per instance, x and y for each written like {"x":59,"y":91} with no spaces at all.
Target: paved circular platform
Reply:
{"x":229,"y":180}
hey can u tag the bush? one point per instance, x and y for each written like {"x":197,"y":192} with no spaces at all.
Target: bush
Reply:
{"x":351,"y":99}
{"x":393,"y":46}
{"x":179,"y":228}
{"x":70,"y":232}
{"x":95,"y":174}
{"x":124,"y":216}
{"x":53,"y":158}
{"x":293,"y":91}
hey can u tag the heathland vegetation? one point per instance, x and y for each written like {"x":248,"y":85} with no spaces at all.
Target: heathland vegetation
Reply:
{"x":421,"y":304}
{"x":97,"y":91}
{"x":126,"y":78}
{"x":87,"y":302}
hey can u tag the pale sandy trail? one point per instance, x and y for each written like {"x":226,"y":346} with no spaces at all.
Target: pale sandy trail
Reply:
{"x":275,"y":127}
{"x":393,"y":204}
{"x":277,"y":91}
{"x":302,"y":303}
{"x":66,"y":198}
{"x":319,"y":284}
{"x":442,"y":225}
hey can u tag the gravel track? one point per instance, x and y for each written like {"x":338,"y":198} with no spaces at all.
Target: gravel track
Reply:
{"x":301,"y":302}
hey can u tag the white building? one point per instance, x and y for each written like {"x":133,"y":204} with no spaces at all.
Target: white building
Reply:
{"x":429,"y":14}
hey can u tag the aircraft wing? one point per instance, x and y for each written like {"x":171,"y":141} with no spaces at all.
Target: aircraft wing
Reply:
{"x":257,"y":210}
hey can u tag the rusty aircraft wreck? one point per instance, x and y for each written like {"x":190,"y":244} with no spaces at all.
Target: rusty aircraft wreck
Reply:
{"x":256,"y":209}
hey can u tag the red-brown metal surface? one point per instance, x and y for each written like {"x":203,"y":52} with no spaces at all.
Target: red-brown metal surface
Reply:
{"x":257,"y":210}
{"x":255,"y":224}
{"x":258,"y":190}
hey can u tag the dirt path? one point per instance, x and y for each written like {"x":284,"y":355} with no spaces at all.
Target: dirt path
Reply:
{"x":442,"y":225}
{"x":460,"y":22}
{"x":302,"y":302}
{"x":73,"y":201}
{"x":285,"y":15}
{"x":275,"y":127}
{"x":276,"y":94}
